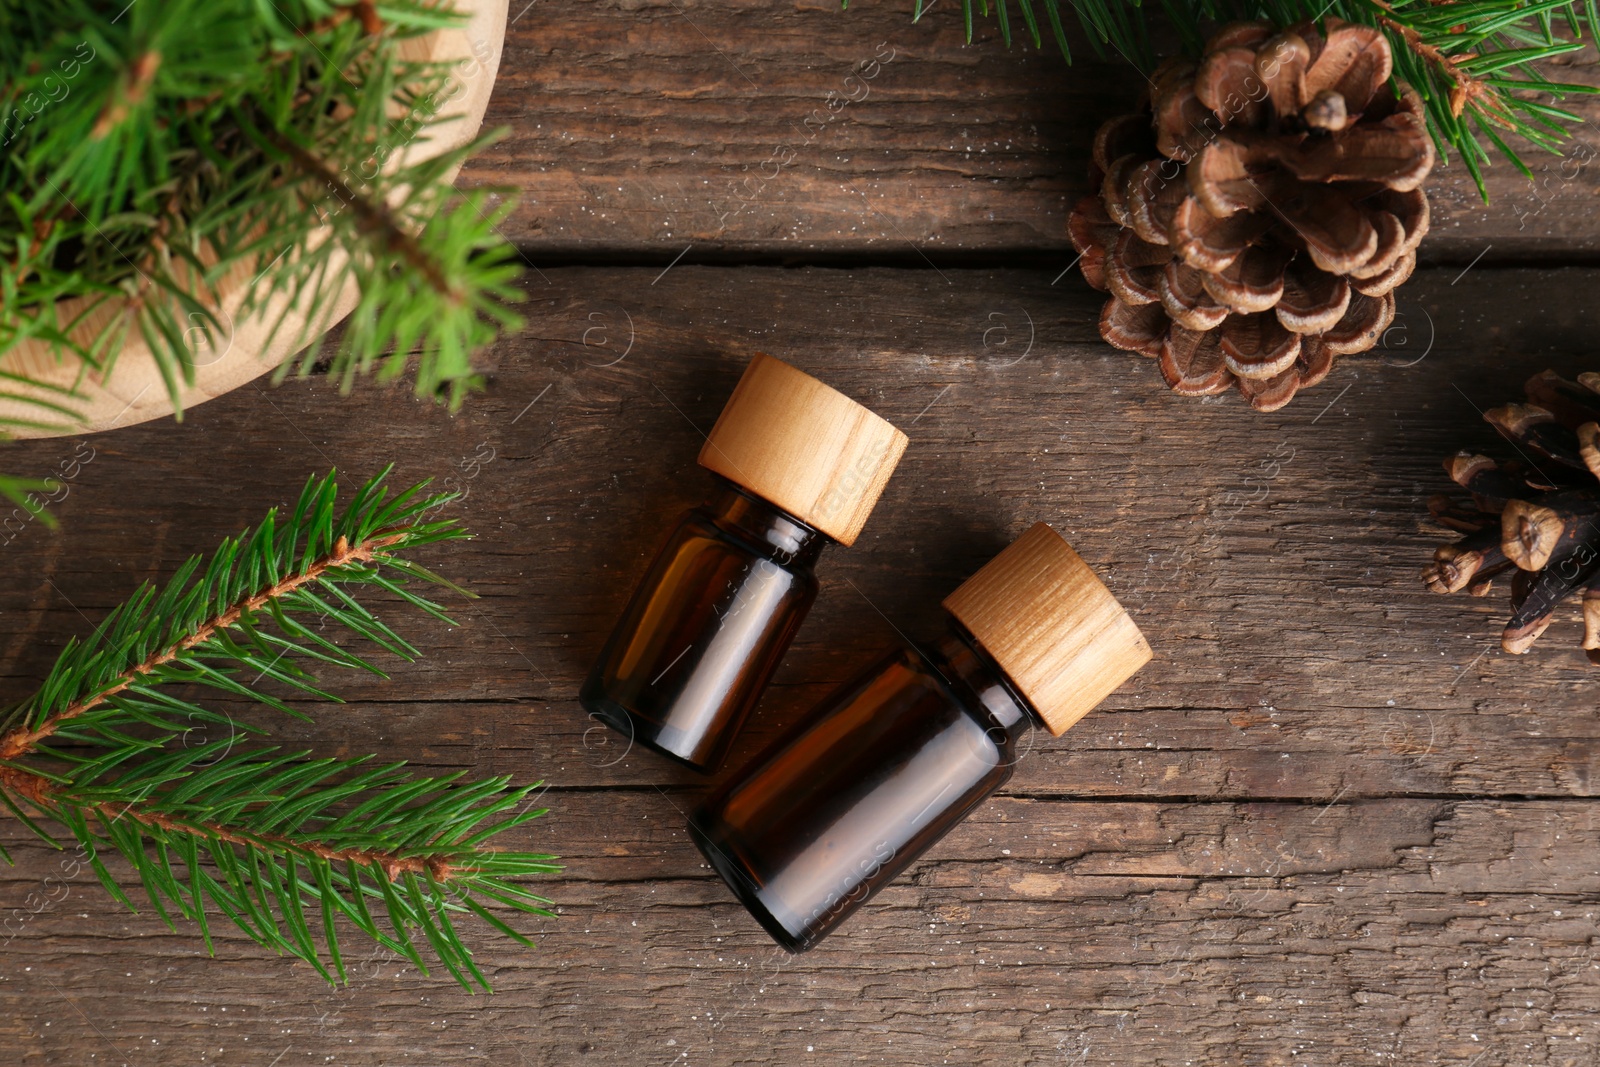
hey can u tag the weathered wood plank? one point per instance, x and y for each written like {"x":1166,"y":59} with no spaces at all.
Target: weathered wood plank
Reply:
{"x":1391,"y":931}
{"x":1272,"y":558}
{"x":1329,"y":787}
{"x":648,"y":128}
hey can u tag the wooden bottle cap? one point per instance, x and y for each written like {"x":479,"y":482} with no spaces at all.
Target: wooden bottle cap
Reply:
{"x":805,"y":447}
{"x":1050,"y":623}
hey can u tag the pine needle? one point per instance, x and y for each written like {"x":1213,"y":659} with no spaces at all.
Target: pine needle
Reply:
{"x":151,"y":150}
{"x":1473,"y":62}
{"x":286,"y":846}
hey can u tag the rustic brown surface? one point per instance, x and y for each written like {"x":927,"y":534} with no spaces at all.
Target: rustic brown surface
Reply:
{"x":1331,"y":823}
{"x":685,"y":123}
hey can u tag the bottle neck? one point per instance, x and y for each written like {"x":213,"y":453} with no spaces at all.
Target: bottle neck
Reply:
{"x":981,"y":683}
{"x":774,"y":532}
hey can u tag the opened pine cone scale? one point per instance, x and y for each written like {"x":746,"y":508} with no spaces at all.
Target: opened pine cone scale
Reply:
{"x":1252,"y":222}
{"x":1535,"y":518}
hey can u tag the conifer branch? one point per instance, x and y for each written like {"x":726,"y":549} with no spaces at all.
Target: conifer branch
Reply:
{"x":1474,"y":62}
{"x":36,"y":789}
{"x":266,"y":838}
{"x":152,"y":151}
{"x":373,"y":218}
{"x":19,"y":741}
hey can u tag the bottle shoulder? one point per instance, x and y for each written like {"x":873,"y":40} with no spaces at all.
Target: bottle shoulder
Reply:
{"x":978,"y":684}
{"x":770,"y":542}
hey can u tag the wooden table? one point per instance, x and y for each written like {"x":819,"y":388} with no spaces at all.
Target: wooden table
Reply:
{"x":1331,"y":823}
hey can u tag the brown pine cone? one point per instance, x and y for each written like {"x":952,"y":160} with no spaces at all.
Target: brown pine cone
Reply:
{"x":1537,"y":517}
{"x":1253,"y":220}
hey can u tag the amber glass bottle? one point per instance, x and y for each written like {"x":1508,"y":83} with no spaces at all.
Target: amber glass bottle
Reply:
{"x":885,"y":766}
{"x":799,"y":465}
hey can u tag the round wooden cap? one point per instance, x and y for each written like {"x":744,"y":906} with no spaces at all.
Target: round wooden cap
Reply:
{"x":1051,"y":625}
{"x":805,"y":447}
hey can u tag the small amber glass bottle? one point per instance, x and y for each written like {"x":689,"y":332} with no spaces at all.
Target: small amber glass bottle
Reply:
{"x":886,"y":766}
{"x":799,"y":464}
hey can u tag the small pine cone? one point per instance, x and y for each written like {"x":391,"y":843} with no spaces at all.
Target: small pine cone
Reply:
{"x":1537,"y":517}
{"x":1254,"y":219}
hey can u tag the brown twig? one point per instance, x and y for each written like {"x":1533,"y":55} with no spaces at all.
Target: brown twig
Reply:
{"x":42,"y":228}
{"x":364,"y":11}
{"x":1464,"y":88}
{"x":20,"y":740}
{"x":140,"y":76}
{"x":373,"y":217}
{"x":37,"y":791}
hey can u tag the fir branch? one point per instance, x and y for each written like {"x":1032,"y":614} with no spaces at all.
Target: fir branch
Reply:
{"x":1464,"y":86}
{"x":37,"y":790}
{"x":268,"y":839}
{"x":153,"y":151}
{"x":373,"y":218}
{"x":1474,"y":62}
{"x":20,"y":741}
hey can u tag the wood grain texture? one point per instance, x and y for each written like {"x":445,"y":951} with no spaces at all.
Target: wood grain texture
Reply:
{"x":804,"y":446}
{"x":1330,"y":823}
{"x":1049,"y":622}
{"x":742,"y":127}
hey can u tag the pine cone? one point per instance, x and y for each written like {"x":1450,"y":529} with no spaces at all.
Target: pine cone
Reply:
{"x":1537,"y":516}
{"x":1255,"y":217}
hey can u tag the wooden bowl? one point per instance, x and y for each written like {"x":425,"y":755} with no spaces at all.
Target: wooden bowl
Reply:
{"x":134,"y":392}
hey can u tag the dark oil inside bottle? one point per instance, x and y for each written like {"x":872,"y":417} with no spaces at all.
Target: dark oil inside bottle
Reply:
{"x":860,"y":789}
{"x":706,"y":627}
